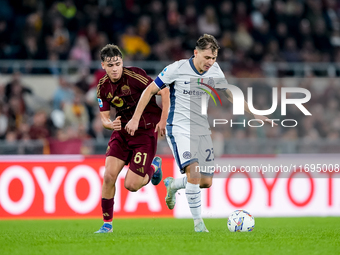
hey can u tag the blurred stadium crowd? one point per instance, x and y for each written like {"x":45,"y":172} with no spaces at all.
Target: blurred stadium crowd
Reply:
{"x":250,"y":33}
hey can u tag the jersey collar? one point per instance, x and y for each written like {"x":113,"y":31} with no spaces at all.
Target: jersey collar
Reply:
{"x":193,"y":66}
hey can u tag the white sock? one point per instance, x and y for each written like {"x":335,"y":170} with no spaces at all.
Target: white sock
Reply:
{"x":179,"y":183}
{"x":193,"y":194}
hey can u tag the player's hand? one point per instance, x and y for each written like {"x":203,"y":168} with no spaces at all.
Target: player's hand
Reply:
{"x":117,"y":124}
{"x":132,"y":126}
{"x":264,"y":119}
{"x":161,"y":127}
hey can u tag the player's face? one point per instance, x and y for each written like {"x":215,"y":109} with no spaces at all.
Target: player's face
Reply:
{"x":113,"y":67}
{"x":204,"y":59}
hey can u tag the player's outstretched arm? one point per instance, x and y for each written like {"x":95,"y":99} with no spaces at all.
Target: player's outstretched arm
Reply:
{"x":150,"y":90}
{"x":165,"y":94}
{"x":265,"y":119}
{"x":107,"y":123}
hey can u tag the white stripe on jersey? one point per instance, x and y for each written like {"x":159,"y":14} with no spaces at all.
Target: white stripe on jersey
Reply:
{"x":185,"y":98}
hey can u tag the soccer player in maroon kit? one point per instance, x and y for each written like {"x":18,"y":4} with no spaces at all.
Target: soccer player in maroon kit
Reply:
{"x":121,"y":89}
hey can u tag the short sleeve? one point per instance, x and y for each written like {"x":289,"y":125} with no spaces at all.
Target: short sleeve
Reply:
{"x":102,"y":103}
{"x":221,"y":80}
{"x":167,"y":76}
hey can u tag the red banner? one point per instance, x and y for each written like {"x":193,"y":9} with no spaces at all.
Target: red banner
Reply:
{"x":70,"y":186}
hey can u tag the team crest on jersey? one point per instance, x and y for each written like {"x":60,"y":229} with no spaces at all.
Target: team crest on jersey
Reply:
{"x":126,"y":90}
{"x":100,"y":102}
{"x":211,"y":82}
{"x":187,"y":155}
{"x":109,"y":95}
{"x":117,"y":101}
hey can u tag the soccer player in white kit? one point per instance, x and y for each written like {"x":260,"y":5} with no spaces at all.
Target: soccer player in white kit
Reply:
{"x":188,"y":131}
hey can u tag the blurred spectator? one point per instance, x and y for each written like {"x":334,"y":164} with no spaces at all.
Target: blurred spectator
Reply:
{"x":67,"y":9}
{"x":176,"y":49}
{"x":262,"y":33}
{"x":291,"y":52}
{"x":93,"y":37}
{"x":273,"y":51}
{"x":226,"y":16}
{"x":281,"y":34}
{"x":314,"y":12}
{"x":15,"y":89}
{"x":59,"y":39}
{"x":241,"y":16}
{"x":3,"y":120}
{"x":208,"y":22}
{"x":320,"y":37}
{"x":133,"y":45}
{"x":81,"y":51}
{"x":173,"y":18}
{"x":242,"y":38}
{"x":39,"y":129}
{"x":332,"y":15}
{"x":76,"y":115}
{"x":29,"y":50}
{"x":4,"y":38}
{"x":33,"y":25}
{"x":64,"y":94}
{"x":257,"y":52}
{"x":16,"y":113}
{"x":83,"y":81}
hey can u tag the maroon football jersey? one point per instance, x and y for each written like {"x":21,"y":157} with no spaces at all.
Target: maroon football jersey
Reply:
{"x":124,"y":95}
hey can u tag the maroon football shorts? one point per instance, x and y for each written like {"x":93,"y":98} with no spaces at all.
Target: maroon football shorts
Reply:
{"x":138,"y":150}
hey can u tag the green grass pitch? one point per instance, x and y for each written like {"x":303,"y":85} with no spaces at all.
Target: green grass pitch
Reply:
{"x":307,"y":235}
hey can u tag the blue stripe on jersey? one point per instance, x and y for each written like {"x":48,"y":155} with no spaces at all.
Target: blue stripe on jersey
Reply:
{"x":193,"y":66}
{"x":159,"y":82}
{"x":170,"y":121}
{"x":174,"y":146}
{"x":172,"y":104}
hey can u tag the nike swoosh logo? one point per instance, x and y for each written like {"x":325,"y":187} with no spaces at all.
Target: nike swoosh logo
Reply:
{"x":192,"y":198}
{"x":186,"y":82}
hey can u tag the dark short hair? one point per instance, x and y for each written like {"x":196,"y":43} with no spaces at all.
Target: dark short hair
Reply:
{"x":110,"y":51}
{"x":207,"y":42}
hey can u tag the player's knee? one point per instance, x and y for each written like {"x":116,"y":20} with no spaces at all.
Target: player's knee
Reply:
{"x":130,"y":186}
{"x":205,"y":184}
{"x":110,"y":178}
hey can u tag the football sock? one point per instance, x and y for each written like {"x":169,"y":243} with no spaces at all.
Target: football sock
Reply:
{"x":179,"y":183}
{"x":193,"y":194}
{"x":150,"y":173}
{"x":107,"y":209}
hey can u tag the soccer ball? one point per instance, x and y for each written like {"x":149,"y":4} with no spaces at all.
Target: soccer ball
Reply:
{"x":241,"y":221}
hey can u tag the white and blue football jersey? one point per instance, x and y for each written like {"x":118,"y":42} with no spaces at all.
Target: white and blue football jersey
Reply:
{"x":187,"y":87}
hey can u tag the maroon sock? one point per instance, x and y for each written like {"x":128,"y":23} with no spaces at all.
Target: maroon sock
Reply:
{"x":107,"y":208}
{"x":150,"y":173}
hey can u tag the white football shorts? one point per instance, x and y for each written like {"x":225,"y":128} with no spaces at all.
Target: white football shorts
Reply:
{"x":188,"y":149}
